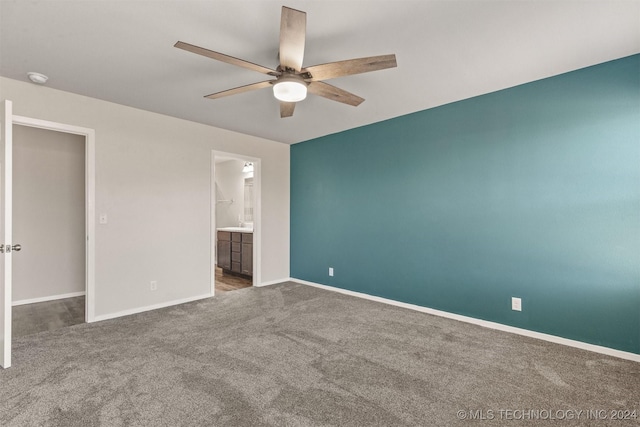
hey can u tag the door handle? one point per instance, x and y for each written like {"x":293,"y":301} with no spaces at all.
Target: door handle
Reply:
{"x":9,"y":248}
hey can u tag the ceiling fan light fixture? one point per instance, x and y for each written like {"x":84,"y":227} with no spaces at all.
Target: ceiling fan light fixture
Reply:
{"x":290,"y":88}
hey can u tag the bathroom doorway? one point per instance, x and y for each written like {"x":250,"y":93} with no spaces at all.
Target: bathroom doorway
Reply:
{"x":235,"y":222}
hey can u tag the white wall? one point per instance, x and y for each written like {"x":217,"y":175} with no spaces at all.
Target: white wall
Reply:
{"x":153,"y":180}
{"x":48,"y":213}
{"x":229,"y":186}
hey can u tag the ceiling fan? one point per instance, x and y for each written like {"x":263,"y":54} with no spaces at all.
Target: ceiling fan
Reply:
{"x":292,"y":81}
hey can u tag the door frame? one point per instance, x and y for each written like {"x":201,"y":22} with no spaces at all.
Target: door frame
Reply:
{"x":257,"y":215}
{"x":90,"y":199}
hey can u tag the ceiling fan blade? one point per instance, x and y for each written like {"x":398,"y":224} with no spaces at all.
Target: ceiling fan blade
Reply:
{"x":293,"y":28}
{"x":334,"y":93}
{"x":226,"y":58}
{"x":350,"y":67}
{"x":241,"y":89}
{"x":286,"y":108}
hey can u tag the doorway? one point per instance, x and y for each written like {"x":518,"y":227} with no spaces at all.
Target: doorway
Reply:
{"x":49,"y":223}
{"x":8,"y":247}
{"x":235,"y":222}
{"x":77,"y":303}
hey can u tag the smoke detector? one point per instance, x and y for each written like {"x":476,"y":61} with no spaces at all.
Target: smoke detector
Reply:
{"x":37,"y":78}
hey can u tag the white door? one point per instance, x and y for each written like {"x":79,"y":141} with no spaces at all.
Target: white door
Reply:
{"x":6,"y":147}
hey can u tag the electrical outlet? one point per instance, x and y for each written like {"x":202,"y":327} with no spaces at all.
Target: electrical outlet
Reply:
{"x":516,"y":304}
{"x":331,"y":271}
{"x":153,"y":285}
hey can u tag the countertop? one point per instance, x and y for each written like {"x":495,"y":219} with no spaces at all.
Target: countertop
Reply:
{"x":236,"y":229}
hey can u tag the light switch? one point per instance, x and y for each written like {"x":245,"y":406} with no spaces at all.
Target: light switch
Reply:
{"x":103,"y":218}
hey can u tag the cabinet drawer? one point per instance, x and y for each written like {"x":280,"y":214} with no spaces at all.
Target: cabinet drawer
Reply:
{"x":236,"y":237}
{"x":247,"y":237}
{"x":224,"y":235}
{"x":236,"y":257}
{"x":236,"y":247}
{"x":235,"y":266}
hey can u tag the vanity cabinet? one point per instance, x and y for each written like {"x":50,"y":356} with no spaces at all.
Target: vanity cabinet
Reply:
{"x":235,"y":252}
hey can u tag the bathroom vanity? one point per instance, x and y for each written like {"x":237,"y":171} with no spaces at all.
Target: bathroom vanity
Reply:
{"x":235,"y":250}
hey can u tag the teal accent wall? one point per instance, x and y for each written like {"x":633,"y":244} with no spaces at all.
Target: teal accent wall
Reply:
{"x":532,"y":191}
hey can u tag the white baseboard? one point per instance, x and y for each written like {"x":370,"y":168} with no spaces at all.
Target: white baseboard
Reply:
{"x":48,"y":298}
{"x":148,"y":308}
{"x":491,"y":325}
{"x":274,"y":282}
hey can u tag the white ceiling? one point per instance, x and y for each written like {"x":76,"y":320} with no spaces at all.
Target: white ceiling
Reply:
{"x":122,"y":51}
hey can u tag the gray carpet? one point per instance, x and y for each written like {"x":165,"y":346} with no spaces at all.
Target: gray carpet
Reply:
{"x":30,"y":319}
{"x":292,"y":355}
